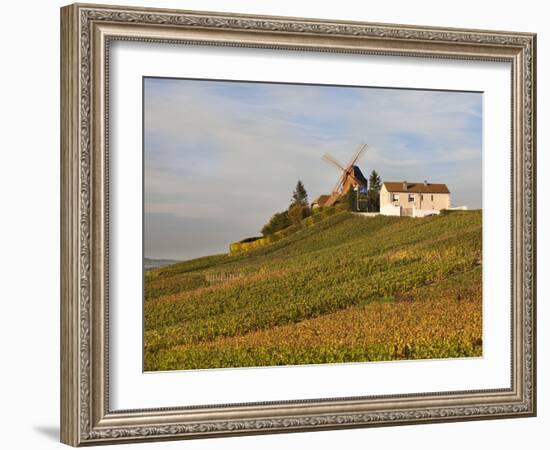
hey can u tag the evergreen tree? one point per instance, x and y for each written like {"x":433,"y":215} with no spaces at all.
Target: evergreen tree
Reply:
{"x":299,"y":206}
{"x":374,"y":181}
{"x":299,"y":195}
{"x":373,"y":194}
{"x":296,"y":212}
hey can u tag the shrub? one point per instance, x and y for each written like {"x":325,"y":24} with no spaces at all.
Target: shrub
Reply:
{"x":328,"y":211}
{"x":297,"y":212}
{"x":277,"y":222}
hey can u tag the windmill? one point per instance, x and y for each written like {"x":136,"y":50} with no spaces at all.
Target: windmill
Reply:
{"x":350,"y":177}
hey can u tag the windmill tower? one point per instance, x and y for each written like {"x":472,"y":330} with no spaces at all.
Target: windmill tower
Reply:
{"x":350,"y":176}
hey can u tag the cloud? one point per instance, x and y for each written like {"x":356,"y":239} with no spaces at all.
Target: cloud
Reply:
{"x":234,"y":151}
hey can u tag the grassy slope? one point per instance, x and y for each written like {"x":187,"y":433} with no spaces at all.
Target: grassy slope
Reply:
{"x":347,"y":289}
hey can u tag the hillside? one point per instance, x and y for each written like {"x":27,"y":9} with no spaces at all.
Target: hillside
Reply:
{"x":151,"y":263}
{"x":348,"y":288}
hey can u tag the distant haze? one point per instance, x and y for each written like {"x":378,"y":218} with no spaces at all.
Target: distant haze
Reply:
{"x":221,"y":157}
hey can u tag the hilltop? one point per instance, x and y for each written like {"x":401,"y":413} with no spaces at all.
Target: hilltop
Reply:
{"x":347,"y":288}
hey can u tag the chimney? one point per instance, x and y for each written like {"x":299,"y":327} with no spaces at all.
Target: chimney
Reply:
{"x":425,"y":182}
{"x":404,"y":185}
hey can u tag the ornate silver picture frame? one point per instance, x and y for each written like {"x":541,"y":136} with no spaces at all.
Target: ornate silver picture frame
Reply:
{"x":87,"y":32}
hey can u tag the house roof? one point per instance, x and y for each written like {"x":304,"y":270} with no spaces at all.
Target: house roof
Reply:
{"x":415,"y":187}
{"x":321,"y":200}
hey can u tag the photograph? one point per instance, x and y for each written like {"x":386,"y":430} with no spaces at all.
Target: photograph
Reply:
{"x":292,"y":224}
{"x":281,"y":221}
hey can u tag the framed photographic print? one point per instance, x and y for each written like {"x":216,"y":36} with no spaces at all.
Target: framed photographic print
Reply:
{"x":277,"y":224}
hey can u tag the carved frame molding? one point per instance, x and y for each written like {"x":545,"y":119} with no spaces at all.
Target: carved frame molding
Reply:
{"x":86,"y":32}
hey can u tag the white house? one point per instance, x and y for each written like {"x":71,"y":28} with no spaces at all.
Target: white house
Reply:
{"x":402,"y":198}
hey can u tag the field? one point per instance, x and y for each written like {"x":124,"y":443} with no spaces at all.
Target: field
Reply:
{"x":348,"y":288}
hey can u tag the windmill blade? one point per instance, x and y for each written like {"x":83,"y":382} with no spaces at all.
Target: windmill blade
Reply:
{"x":339,"y":184}
{"x":358,"y":153}
{"x":331,"y":160}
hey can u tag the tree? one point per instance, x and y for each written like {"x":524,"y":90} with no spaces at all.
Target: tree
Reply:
{"x":299,"y":206}
{"x":297,"y":212}
{"x":299,"y":195}
{"x":350,"y":200}
{"x":373,"y":194}
{"x":374,"y":181}
{"x":277,"y":222}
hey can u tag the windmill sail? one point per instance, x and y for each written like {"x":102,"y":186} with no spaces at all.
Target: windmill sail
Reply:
{"x":350,"y":178}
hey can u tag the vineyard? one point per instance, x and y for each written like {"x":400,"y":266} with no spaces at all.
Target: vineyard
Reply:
{"x":345,"y":289}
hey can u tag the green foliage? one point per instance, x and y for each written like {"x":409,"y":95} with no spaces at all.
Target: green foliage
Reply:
{"x":309,"y":296}
{"x":445,"y":212}
{"x":277,"y":222}
{"x":188,"y":266}
{"x":297,"y":212}
{"x":173,"y":284}
{"x":375,"y":183}
{"x":435,"y":323}
{"x":320,"y":214}
{"x":373,"y":194}
{"x":350,"y":200}
{"x":299,"y":195}
{"x":328,"y":211}
{"x":373,"y":201}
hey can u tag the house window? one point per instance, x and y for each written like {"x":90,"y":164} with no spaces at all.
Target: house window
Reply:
{"x":432,"y":198}
{"x":411,"y":198}
{"x":421,"y":196}
{"x":395,"y":197}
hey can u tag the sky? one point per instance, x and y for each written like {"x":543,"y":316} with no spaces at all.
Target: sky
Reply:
{"x":221,"y":157}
